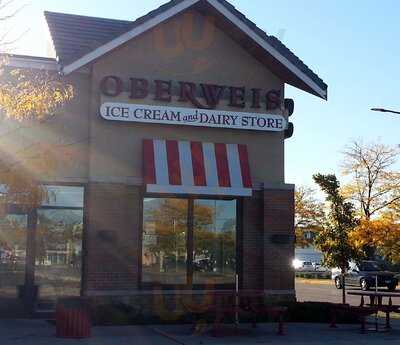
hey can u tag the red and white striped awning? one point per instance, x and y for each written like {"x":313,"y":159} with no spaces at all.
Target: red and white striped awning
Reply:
{"x":183,"y":167}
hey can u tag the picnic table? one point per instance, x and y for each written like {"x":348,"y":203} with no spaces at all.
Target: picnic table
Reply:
{"x":376,"y":304}
{"x":376,"y":297}
{"x":236,"y":304}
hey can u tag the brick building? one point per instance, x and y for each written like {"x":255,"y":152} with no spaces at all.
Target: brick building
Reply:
{"x":176,"y":184}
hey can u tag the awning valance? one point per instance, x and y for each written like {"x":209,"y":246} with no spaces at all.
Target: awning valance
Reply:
{"x":183,"y":167}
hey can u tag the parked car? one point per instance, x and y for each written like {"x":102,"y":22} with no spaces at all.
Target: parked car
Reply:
{"x":365,"y":274}
{"x":306,"y":266}
{"x":319,"y":268}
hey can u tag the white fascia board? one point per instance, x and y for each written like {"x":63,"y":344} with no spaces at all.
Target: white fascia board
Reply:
{"x":151,"y":23}
{"x":196,"y":190}
{"x":270,"y":49}
{"x":31,"y":63}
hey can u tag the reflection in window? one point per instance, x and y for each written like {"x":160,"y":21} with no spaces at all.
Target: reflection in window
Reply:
{"x":59,"y":236}
{"x":64,"y":196}
{"x":214,"y":227}
{"x":12,"y":254}
{"x":59,"y":252}
{"x":164,"y":241}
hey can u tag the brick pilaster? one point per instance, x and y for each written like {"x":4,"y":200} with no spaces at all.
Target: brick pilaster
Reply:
{"x":278,"y":239}
{"x":113,"y":230}
{"x":252,"y":242}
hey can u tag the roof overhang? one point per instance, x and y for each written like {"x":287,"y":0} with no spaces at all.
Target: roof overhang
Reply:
{"x":115,"y":43}
{"x":31,"y":62}
{"x":239,"y":30}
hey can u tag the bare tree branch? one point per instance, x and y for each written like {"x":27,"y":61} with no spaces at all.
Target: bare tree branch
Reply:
{"x":374,"y":186}
{"x":6,"y":4}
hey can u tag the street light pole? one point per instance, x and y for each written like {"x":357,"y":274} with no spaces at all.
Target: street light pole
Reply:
{"x":385,"y":110}
{"x":382,"y":110}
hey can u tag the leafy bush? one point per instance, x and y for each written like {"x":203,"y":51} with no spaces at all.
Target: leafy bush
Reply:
{"x":318,"y":312}
{"x":316,"y":275}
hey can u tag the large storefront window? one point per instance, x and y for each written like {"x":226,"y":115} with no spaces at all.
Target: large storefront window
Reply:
{"x":214,"y":235}
{"x":189,"y":242}
{"x":41,"y":250}
{"x":164,"y":241}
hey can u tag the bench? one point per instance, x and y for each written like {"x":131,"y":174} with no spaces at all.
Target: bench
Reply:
{"x":250,"y":305}
{"x":376,"y":303}
{"x":226,"y":306}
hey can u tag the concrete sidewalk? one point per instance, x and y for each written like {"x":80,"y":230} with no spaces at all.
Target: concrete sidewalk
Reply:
{"x":37,"y":332}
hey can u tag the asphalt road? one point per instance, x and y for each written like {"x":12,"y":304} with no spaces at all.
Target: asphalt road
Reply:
{"x":315,"y":291}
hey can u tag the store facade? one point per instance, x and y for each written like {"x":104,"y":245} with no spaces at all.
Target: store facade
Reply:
{"x":176,"y":137}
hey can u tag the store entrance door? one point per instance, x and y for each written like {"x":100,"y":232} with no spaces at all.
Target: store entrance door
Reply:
{"x":58,"y":255}
{"x":17,"y":291}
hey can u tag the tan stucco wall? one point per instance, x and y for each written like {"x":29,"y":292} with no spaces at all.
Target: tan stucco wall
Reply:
{"x":116,"y":148}
{"x":65,"y":135}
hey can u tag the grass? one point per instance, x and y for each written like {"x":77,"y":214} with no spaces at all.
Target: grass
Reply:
{"x":314,"y":281}
{"x":394,"y":316}
{"x":313,"y":275}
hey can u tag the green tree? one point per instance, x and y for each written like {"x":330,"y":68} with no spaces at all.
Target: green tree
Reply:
{"x":333,"y":240}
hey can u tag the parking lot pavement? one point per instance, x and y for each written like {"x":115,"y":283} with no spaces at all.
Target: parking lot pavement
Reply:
{"x":323,"y":291}
{"x":315,"y":291}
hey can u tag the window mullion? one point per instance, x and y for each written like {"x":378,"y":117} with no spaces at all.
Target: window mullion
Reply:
{"x":189,"y":240}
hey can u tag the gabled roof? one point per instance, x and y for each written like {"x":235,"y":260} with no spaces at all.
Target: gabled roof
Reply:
{"x":80,"y":40}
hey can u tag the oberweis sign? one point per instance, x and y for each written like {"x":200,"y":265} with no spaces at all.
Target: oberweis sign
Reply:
{"x":191,"y":117}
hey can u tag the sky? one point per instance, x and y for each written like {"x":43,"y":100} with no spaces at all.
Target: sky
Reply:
{"x":352,"y":45}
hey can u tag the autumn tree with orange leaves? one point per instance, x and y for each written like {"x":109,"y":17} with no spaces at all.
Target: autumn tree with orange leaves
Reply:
{"x":375,"y":189}
{"x":309,"y":215}
{"x":374,"y":183}
{"x":383,"y":233}
{"x":27,"y":96}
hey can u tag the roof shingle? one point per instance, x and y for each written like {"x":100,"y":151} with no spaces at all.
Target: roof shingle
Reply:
{"x":75,"y":36}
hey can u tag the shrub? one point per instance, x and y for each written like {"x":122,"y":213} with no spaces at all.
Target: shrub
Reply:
{"x":318,"y":312}
{"x":122,"y":314}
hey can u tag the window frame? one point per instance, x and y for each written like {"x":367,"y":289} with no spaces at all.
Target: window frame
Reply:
{"x":190,"y":243}
{"x":84,"y":210}
{"x":32,"y":237}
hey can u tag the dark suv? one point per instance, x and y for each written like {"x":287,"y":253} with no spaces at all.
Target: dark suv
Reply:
{"x":365,"y":274}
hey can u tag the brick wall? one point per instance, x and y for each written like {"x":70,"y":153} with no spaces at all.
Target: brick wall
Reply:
{"x":252,"y":246}
{"x":278,"y":239}
{"x":112,"y":238}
